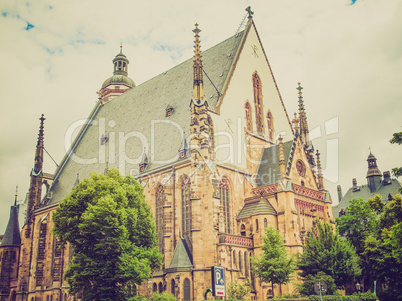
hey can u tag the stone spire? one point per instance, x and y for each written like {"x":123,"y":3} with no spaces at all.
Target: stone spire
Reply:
{"x":374,"y":175}
{"x":35,"y":187}
{"x":201,"y":123}
{"x":319,"y":172}
{"x":198,"y":76}
{"x":12,"y":234}
{"x":303,"y":118}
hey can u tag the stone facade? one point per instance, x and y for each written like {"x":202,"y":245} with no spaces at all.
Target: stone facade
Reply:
{"x":231,"y":175}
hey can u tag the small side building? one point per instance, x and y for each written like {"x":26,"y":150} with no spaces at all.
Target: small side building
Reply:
{"x":377,"y":183}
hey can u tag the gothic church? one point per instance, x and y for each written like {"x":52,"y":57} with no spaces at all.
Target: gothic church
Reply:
{"x":218,"y":156}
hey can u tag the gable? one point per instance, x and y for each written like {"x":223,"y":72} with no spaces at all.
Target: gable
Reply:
{"x":230,"y":120}
{"x":298,"y":168}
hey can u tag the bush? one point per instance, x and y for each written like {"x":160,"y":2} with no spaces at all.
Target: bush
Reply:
{"x":238,"y":291}
{"x":367,"y":296}
{"x":163,"y":297}
{"x":306,"y":288}
{"x":138,"y":298}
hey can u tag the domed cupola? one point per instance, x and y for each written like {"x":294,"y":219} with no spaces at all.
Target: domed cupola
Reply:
{"x":119,"y":82}
{"x":374,"y":176}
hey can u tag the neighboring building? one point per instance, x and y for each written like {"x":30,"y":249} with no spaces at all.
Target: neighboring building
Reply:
{"x":10,"y":255}
{"x":214,"y":172}
{"x":377,"y":183}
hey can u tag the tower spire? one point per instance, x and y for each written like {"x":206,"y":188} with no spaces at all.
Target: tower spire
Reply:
{"x":201,"y":126}
{"x":35,"y":187}
{"x":303,"y":118}
{"x":197,"y":66}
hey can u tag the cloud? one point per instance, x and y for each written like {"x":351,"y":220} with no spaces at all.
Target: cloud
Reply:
{"x":56,"y":55}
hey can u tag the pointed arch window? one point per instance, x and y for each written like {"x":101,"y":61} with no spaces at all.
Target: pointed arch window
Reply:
{"x":240,"y":265}
{"x":249,"y":118}
{"x":41,"y":255}
{"x":270,"y":126}
{"x":225,"y":203}
{"x":159,"y":200}
{"x":243,"y":230}
{"x":245,"y":264}
{"x":186,"y":206}
{"x":257,"y":88}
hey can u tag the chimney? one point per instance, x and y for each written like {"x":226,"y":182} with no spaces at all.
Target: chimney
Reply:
{"x":339,"y":193}
{"x":387,"y":178}
{"x":355,"y":188}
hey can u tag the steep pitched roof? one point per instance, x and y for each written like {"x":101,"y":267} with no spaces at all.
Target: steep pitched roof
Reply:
{"x":137,"y":119}
{"x":262,"y":207}
{"x":364,"y":193}
{"x":181,"y":258}
{"x":12,"y":235}
{"x":268,"y":171}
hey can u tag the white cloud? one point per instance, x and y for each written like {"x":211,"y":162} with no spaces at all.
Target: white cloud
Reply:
{"x":347,"y":57}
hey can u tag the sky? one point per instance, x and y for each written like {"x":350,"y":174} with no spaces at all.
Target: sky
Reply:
{"x":55,"y":55}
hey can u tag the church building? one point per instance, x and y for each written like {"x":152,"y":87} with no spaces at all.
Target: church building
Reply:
{"x":218,"y":155}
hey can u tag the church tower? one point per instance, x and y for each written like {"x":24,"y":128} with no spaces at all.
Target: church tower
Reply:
{"x":119,"y":82}
{"x":10,"y":254}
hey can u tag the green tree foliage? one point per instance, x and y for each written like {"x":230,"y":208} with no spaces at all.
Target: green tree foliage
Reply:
{"x":306,"y":288}
{"x":397,"y":139}
{"x":163,"y":297}
{"x":357,"y":223}
{"x":237,"y":291}
{"x":274,"y":266}
{"x":384,"y":246}
{"x":326,"y":252}
{"x":110,"y":228}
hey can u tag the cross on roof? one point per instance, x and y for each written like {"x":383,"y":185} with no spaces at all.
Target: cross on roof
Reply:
{"x":250,"y":13}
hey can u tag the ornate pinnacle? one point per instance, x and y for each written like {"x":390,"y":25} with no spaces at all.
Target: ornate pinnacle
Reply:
{"x":198,"y":72}
{"x":319,"y":171}
{"x":282,"y":165}
{"x":296,"y":123}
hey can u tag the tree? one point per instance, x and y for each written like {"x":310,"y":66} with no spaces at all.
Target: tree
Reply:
{"x":358,"y":223}
{"x":238,"y":291}
{"x":326,"y":252}
{"x":306,"y":288}
{"x":274,"y":266}
{"x":112,"y":234}
{"x":383,"y":248}
{"x":397,"y":139}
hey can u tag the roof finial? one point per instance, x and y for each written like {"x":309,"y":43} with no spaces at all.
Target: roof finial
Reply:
{"x":121,"y":45}
{"x":250,"y":13}
{"x":16,"y":195}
